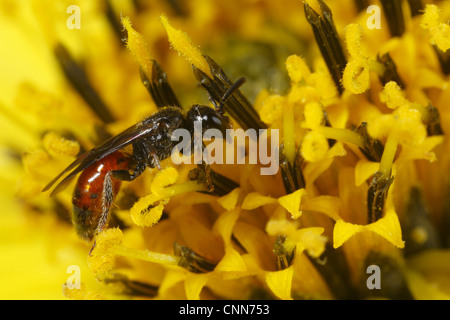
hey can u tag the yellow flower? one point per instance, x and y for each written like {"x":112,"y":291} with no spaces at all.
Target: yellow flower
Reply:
{"x":363,"y":155}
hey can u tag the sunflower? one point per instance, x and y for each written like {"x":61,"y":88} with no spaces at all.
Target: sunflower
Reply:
{"x":356,"y":90}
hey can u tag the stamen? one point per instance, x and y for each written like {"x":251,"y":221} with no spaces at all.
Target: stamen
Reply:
{"x":237,"y":104}
{"x":291,"y":173}
{"x":372,"y":148}
{"x":444,"y":59}
{"x":387,"y":158}
{"x":145,"y":255}
{"x":139,"y":48}
{"x":183,"y":44}
{"x":376,"y":196}
{"x":328,"y":41}
{"x":434,"y":123}
{"x":438,"y":30}
{"x":214,"y":182}
{"x":341,"y":134}
{"x":390,"y":71}
{"x":159,"y":88}
{"x":56,"y":144}
{"x":109,"y":245}
{"x":214,"y":80}
{"x":393,"y":12}
{"x":79,"y":80}
{"x":439,"y":35}
{"x":148,"y":210}
{"x":284,"y":253}
{"x":381,"y":181}
{"x":289,"y":132}
{"x":430,"y":117}
{"x":191,"y":261}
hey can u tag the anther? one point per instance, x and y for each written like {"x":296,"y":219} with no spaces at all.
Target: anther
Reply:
{"x":376,"y":196}
{"x":284,"y":256}
{"x":291,"y":173}
{"x":79,"y":80}
{"x":373,"y":148}
{"x":192,"y":261}
{"x":328,"y":41}
{"x":235,"y":103}
{"x":215,"y":183}
{"x":393,"y":12}
{"x":390,"y":71}
{"x":158,"y":87}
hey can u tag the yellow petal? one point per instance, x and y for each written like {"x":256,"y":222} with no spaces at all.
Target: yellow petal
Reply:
{"x":327,"y":205}
{"x":291,"y":202}
{"x":364,"y":170}
{"x":257,"y":243}
{"x":344,"y":231}
{"x":194,"y":284}
{"x":280,"y":282}
{"x":225,"y":224}
{"x":171,"y":278}
{"x":231,"y":262}
{"x":440,"y":32}
{"x":229,"y":201}
{"x":387,"y":227}
{"x":422,"y":151}
{"x":285,"y":227}
{"x":337,"y":150}
{"x":255,"y":200}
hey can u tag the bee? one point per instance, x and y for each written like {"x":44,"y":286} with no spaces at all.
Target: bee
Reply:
{"x":89,"y":196}
{"x":104,"y":167}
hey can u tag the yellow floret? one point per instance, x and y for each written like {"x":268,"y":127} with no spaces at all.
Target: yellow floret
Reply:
{"x":314,"y":147}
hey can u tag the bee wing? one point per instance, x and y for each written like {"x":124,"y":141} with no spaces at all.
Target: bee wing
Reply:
{"x":111,"y":145}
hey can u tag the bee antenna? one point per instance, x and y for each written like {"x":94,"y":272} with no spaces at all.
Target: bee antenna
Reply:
{"x":235,"y":86}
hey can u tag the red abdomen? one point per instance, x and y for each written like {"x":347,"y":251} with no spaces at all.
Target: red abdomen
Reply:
{"x":88,"y":195}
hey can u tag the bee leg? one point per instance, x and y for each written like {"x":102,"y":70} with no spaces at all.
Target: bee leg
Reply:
{"x":125,"y":175}
{"x":107,"y":200}
{"x":155,"y":160}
